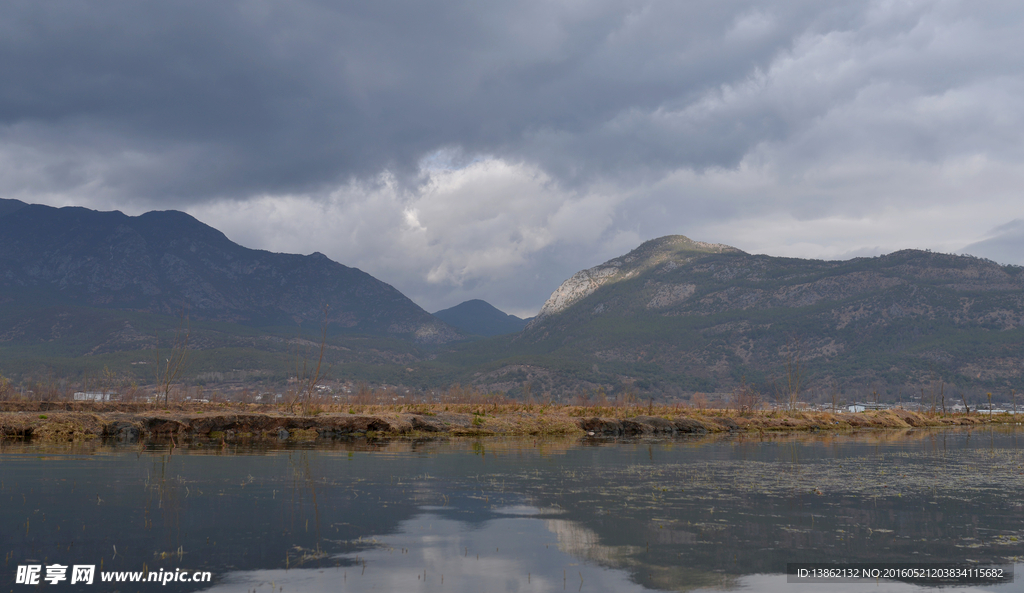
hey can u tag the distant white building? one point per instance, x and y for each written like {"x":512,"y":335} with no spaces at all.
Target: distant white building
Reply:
{"x":991,"y":411}
{"x":861,"y":407}
{"x":94,"y":396}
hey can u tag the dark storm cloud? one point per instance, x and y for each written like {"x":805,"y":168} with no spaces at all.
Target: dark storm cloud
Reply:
{"x":465,"y":149}
{"x":198,"y":100}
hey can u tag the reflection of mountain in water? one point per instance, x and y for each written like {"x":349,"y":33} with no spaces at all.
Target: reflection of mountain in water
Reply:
{"x":736,"y":509}
{"x":668,"y":515}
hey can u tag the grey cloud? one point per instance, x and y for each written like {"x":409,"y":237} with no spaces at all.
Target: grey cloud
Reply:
{"x":188,"y":101}
{"x":622,"y":119}
{"x":1005,"y":244}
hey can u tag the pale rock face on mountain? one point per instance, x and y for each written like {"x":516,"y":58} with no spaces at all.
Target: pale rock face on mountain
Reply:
{"x":671,"y":251}
{"x":673,"y":294}
{"x":581,"y":285}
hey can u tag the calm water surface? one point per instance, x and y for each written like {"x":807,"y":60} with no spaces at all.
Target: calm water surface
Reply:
{"x":516,"y":514}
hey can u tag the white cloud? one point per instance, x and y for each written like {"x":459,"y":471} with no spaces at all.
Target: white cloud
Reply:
{"x":491,"y":150}
{"x":462,"y":233}
{"x":844,"y":208}
{"x":485,"y":230}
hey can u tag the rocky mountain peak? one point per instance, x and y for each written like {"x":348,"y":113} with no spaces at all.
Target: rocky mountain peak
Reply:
{"x":670,"y":251}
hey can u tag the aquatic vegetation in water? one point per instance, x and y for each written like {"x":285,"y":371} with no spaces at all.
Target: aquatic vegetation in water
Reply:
{"x":659,"y":513}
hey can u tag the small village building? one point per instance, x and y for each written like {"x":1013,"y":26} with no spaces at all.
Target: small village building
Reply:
{"x":94,"y":396}
{"x":860,"y":407}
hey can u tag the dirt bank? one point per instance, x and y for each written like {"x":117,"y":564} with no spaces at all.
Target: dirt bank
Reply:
{"x":58,"y":421}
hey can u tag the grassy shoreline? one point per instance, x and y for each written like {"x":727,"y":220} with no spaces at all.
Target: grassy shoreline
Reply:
{"x":72,"y":421}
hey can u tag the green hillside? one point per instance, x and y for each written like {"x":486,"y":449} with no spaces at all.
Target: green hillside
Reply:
{"x":675,"y":316}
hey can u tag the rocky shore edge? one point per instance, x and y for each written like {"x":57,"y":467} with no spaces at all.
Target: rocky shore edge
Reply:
{"x":70,"y":422}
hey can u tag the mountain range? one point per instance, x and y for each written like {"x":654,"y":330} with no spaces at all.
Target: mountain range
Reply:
{"x":82,"y":290}
{"x":676,"y":316}
{"x":167,"y":262}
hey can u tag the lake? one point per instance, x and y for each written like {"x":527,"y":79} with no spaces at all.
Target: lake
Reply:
{"x":717,"y":513}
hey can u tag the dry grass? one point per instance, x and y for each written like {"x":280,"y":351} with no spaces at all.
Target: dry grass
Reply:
{"x":56,"y":427}
{"x":70,"y":421}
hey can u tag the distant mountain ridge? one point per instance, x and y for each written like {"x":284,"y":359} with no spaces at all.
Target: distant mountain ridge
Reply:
{"x":480,"y":318}
{"x":677,"y":315}
{"x":164,"y":262}
{"x":81,"y":289}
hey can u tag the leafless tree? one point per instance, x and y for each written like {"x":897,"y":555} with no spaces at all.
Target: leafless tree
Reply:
{"x":169,"y":368}
{"x":309,"y":376}
{"x":746,"y":398}
{"x":699,"y":401}
{"x":6,"y":391}
{"x":788,"y":391}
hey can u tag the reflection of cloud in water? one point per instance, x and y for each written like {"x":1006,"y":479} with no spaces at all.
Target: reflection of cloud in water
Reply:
{"x":516,"y":553}
{"x":580,"y":542}
{"x":576,"y":540}
{"x":525,"y":510}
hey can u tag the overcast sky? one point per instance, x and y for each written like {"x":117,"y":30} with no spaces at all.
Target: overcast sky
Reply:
{"x":466,"y":149}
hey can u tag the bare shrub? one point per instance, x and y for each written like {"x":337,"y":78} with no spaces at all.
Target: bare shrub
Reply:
{"x":746,"y":398}
{"x":6,"y":391}
{"x":132,"y":393}
{"x":173,"y":364}
{"x":788,"y":390}
{"x":581,"y":398}
{"x":306,"y":396}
